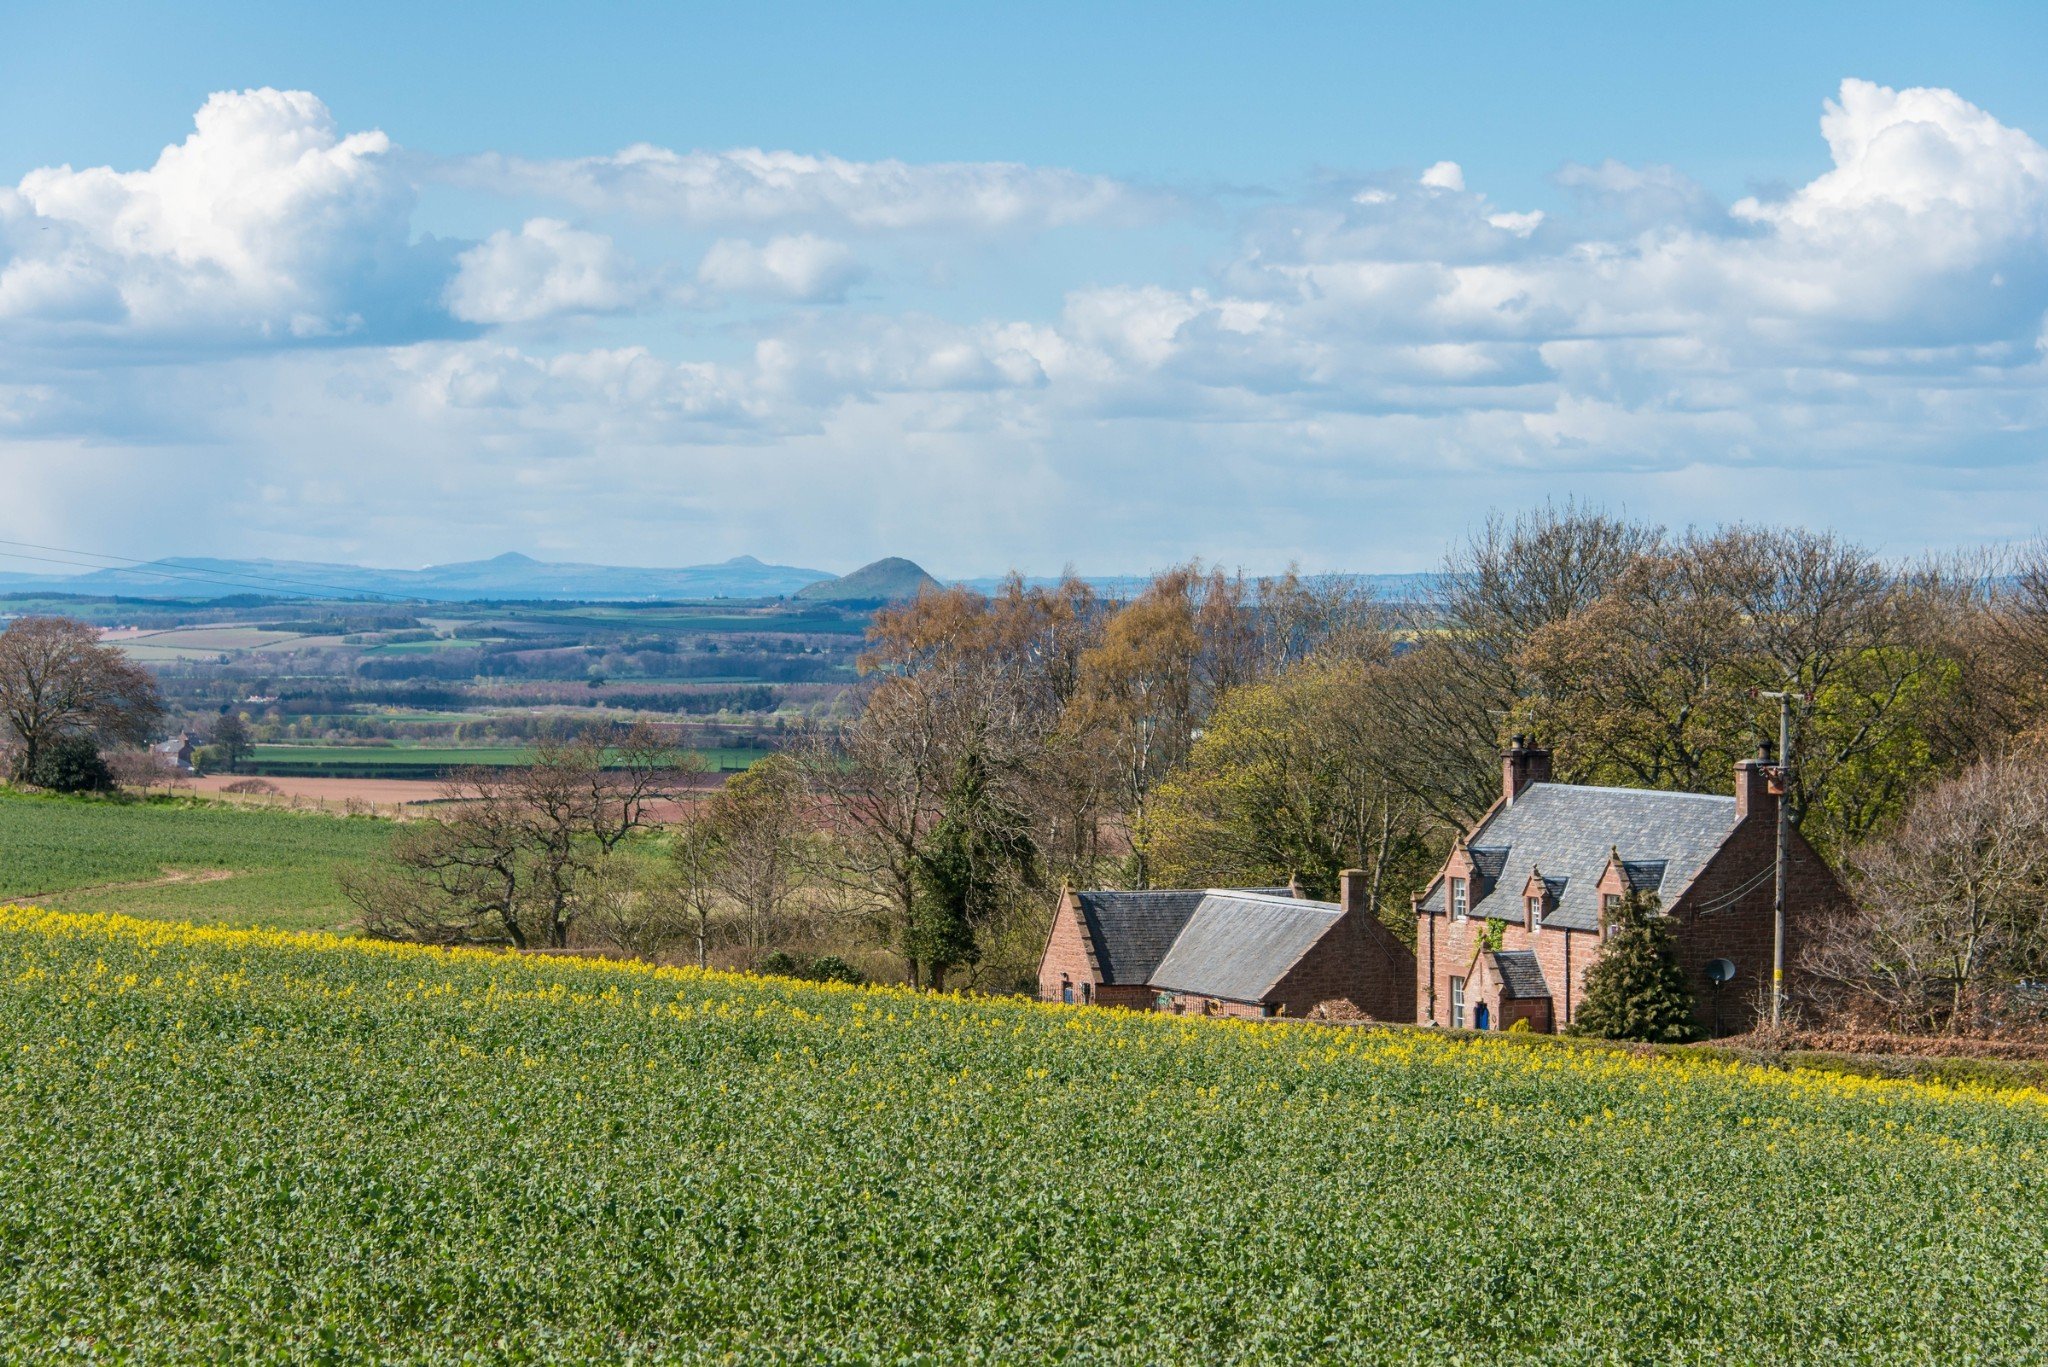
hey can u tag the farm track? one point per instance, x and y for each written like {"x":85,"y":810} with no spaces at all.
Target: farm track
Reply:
{"x":170,"y":877}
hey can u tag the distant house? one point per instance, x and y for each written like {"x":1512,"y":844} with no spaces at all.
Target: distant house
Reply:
{"x":177,"y":752}
{"x":1525,"y":902}
{"x":1254,"y":952}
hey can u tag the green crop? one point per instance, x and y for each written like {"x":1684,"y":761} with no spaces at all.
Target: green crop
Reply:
{"x":193,"y":861}
{"x":256,"y":1146}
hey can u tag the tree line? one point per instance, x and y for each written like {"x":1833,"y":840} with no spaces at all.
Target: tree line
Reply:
{"x":1213,"y":729}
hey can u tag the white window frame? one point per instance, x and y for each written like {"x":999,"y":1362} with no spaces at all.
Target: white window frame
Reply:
{"x":1461,"y":899}
{"x":1532,"y":909}
{"x":1457,"y":1003}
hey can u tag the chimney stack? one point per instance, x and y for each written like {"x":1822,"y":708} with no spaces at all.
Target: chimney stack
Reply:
{"x":1351,"y":889}
{"x":1522,"y":765}
{"x":1753,"y":785}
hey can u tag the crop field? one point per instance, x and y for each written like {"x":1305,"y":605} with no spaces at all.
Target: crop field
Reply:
{"x":233,"y":865}
{"x":256,"y":1146}
{"x":398,"y":761}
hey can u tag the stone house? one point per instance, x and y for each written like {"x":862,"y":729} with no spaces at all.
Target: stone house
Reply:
{"x":175,"y":753}
{"x":1253,"y":952}
{"x":1522,"y":906}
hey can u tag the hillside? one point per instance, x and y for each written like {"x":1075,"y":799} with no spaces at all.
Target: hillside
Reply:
{"x":885,"y":581}
{"x":250,"y":1145}
{"x":234,"y":865}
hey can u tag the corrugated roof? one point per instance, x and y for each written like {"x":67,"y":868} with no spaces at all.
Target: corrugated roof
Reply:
{"x":1521,"y":977}
{"x":1133,"y":930}
{"x":1570,"y":832}
{"x":1238,"y":946}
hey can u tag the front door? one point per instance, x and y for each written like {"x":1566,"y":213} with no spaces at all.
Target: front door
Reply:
{"x":1482,"y":1018}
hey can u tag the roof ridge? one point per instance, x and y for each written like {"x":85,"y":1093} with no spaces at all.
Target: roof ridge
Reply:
{"x":1645,"y":792}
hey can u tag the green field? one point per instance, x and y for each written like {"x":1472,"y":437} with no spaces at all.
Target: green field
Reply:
{"x":258,"y":1147}
{"x":202,"y":862}
{"x":424,"y":761}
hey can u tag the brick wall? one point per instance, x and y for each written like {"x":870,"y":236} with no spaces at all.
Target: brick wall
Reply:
{"x":1068,"y":956}
{"x":1358,"y":960}
{"x":1741,"y":931}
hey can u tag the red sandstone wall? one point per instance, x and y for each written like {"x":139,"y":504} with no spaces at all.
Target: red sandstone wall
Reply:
{"x":1360,"y":961}
{"x":1066,"y":953}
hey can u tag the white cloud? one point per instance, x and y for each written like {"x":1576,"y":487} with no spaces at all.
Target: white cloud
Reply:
{"x":751,"y":185}
{"x":545,"y":270}
{"x":1445,"y":175}
{"x":797,"y":266}
{"x":1877,"y":334}
{"x":265,"y":222}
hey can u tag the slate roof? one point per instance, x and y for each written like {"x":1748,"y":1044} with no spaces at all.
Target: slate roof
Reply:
{"x":1521,"y":976}
{"x":1133,"y":930}
{"x":1569,"y":832}
{"x":1238,"y":946}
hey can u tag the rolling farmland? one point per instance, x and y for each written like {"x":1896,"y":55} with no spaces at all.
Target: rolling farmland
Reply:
{"x":232,"y":865}
{"x":365,"y":1151}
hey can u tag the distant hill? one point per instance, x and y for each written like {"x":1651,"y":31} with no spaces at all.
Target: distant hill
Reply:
{"x":886,"y":581}
{"x":506,"y":576}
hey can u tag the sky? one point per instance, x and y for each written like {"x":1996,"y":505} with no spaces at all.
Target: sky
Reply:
{"x":1109,"y":286}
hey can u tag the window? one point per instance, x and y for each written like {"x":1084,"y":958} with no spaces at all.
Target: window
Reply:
{"x":1457,"y":1003}
{"x":1460,"y":902}
{"x":1610,"y":910}
{"x":1533,"y":906}
{"x":1087,"y":994}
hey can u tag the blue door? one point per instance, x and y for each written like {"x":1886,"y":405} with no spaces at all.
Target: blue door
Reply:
{"x":1482,"y":1019}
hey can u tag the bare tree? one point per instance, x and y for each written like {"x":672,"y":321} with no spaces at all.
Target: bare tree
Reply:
{"x":57,"y":680}
{"x":508,"y":860}
{"x":1953,"y":904}
{"x":760,"y":831}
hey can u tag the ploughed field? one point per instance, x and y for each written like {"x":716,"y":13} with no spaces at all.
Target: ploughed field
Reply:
{"x":219,"y":1143}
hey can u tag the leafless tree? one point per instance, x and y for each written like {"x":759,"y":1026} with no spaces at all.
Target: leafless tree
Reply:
{"x":58,"y":680}
{"x":508,"y":858}
{"x":1952,"y":904}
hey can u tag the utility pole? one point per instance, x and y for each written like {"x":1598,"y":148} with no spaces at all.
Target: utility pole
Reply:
{"x":1783,"y":784}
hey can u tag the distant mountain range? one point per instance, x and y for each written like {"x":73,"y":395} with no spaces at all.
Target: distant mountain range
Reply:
{"x":506,"y":576}
{"x":515,"y":576}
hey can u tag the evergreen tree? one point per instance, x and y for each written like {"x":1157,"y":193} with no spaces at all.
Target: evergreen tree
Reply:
{"x":1637,"y":991}
{"x":964,"y":872}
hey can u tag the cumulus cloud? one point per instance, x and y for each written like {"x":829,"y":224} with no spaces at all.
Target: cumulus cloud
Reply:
{"x":798,"y":266}
{"x":266,"y":221}
{"x":1360,"y":347}
{"x":1445,"y":175}
{"x":751,"y":185}
{"x":545,"y":270}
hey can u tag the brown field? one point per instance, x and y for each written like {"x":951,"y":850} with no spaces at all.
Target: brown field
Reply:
{"x":381,"y":796}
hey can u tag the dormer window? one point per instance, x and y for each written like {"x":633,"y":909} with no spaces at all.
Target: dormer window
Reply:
{"x":1461,"y":899}
{"x":1532,"y":906}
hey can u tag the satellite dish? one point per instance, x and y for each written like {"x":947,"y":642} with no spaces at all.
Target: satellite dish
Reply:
{"x":1720,"y":971}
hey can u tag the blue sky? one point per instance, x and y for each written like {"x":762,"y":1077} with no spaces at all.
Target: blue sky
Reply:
{"x":1107,"y":285}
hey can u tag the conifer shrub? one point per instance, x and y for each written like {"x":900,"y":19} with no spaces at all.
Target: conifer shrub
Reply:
{"x":1637,"y":991}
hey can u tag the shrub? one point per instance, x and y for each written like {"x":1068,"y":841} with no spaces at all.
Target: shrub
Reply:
{"x":72,"y":764}
{"x":1637,"y":991}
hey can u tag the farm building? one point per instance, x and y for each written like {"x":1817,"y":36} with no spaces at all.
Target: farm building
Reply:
{"x":1508,"y":929}
{"x":1226,"y":951}
{"x":176,"y":752}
